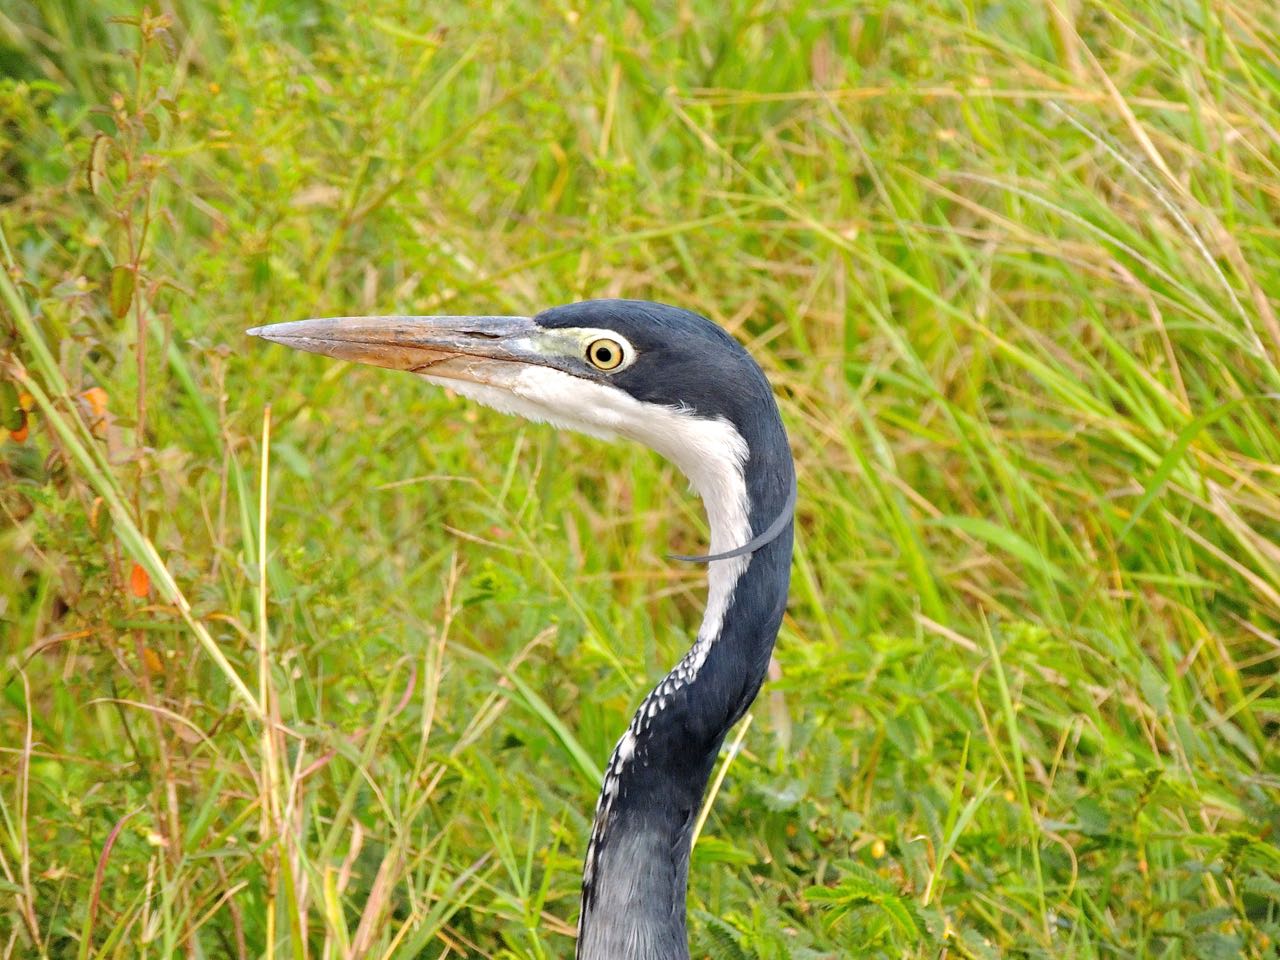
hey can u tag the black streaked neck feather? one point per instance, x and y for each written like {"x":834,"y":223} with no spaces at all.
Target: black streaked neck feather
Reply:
{"x":635,"y":881}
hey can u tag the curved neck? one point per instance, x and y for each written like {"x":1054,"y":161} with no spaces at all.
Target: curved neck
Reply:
{"x":636,"y":872}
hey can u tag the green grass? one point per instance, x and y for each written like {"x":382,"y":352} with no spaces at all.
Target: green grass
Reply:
{"x":1014,"y":270}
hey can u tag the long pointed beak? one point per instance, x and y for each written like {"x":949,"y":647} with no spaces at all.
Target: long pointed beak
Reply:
{"x":454,"y":347}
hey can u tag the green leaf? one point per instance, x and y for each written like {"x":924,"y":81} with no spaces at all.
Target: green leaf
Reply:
{"x":904,"y":917}
{"x":1004,"y":539}
{"x":717,"y":850}
{"x":1217,"y":946}
{"x":11,"y":417}
{"x":722,"y":938}
{"x":1209,"y":918}
{"x":1263,"y":886}
{"x":1169,"y":462}
{"x":96,"y":168}
{"x":121,"y":294}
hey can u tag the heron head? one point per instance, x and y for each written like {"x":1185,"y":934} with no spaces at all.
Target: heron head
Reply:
{"x":653,"y":373}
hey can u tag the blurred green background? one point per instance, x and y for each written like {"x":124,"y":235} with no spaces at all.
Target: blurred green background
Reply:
{"x":1014,"y":269}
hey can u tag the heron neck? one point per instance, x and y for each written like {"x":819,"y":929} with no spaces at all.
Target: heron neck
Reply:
{"x":636,"y":874}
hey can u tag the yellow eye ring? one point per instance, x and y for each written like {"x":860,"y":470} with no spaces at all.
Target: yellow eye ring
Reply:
{"x":604,"y":354}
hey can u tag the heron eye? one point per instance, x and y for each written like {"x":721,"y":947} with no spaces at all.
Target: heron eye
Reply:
{"x":604,"y":354}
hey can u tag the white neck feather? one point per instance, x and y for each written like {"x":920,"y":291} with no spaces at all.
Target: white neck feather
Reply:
{"x":711,"y":453}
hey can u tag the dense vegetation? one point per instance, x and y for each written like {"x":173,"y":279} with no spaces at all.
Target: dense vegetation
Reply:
{"x":1015,"y":271}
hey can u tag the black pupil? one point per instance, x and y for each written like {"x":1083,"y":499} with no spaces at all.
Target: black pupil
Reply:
{"x":604,"y":355}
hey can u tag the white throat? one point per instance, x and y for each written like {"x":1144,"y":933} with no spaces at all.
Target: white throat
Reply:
{"x":711,"y":453}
